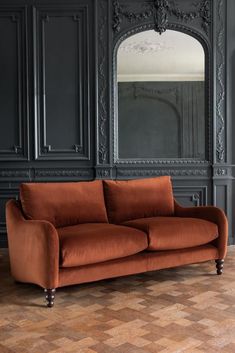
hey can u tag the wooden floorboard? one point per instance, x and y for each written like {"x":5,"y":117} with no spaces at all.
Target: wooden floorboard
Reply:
{"x":187,"y":309}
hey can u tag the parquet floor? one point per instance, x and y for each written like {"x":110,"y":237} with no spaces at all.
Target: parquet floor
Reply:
{"x":188,"y":309}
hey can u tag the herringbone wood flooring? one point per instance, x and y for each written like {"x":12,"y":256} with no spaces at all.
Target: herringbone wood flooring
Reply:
{"x":187,"y":309}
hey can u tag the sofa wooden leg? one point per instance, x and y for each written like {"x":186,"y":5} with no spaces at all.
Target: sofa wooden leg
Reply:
{"x":50,"y":296}
{"x":219,"y":266}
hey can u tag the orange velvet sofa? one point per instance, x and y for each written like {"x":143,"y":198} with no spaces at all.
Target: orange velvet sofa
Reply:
{"x":61,"y":234}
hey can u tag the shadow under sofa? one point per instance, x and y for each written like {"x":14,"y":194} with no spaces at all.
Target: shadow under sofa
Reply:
{"x":62,"y":234}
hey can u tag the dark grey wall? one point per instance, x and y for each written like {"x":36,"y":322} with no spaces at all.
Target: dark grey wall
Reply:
{"x":231,"y":88}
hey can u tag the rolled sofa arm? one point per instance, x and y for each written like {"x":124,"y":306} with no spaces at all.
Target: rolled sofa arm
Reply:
{"x":212,"y":214}
{"x":33,"y":248}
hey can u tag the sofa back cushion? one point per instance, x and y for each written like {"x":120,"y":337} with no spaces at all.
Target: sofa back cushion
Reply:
{"x":64,"y":204}
{"x":127,"y":200}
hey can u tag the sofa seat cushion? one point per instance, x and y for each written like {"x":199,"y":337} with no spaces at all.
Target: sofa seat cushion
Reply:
{"x":132,"y":199}
{"x":95,"y":242}
{"x":170,"y":233}
{"x":64,"y":204}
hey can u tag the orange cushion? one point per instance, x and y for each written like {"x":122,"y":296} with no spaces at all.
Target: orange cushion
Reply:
{"x":64,"y":203}
{"x":169,"y":233}
{"x":132,"y":199}
{"x":92,"y":243}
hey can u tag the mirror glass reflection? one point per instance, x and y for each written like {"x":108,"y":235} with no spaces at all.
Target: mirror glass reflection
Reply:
{"x":160,"y":97}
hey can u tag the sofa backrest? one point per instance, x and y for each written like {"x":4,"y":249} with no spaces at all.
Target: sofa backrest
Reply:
{"x":133,"y":199}
{"x":64,"y":204}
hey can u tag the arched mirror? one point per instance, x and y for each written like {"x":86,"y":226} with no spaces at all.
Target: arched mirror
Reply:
{"x":160,"y":97}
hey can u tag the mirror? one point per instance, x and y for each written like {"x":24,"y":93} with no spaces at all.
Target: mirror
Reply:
{"x":160,"y":97}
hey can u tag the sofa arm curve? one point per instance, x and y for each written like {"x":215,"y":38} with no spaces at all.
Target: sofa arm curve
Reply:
{"x":33,"y":248}
{"x":212,"y":214}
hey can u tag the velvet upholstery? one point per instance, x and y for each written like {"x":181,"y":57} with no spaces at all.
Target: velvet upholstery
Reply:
{"x":96,"y":242}
{"x":33,"y":248}
{"x":66,"y":238}
{"x":132,"y":199}
{"x":64,"y":204}
{"x":212,"y":214}
{"x":169,"y":233}
{"x":142,"y":262}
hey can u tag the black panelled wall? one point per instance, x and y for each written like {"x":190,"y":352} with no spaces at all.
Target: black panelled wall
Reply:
{"x":58,"y":89}
{"x":231,"y":95}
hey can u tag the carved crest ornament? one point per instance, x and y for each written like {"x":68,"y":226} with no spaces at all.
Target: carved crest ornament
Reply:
{"x":160,"y":10}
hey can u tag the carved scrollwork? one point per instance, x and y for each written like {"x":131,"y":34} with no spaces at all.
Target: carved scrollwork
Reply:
{"x":14,"y":173}
{"x":220,"y":149}
{"x":103,"y":141}
{"x":220,"y":172}
{"x":160,"y":172}
{"x":205,"y":14}
{"x":181,"y":161}
{"x":62,"y":173}
{"x":119,"y":12}
{"x":160,"y":11}
{"x":103,"y":173}
{"x":161,"y":15}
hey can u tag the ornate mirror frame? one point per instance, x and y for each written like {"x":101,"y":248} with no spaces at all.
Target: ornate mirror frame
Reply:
{"x":134,"y":161}
{"x":204,"y":20}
